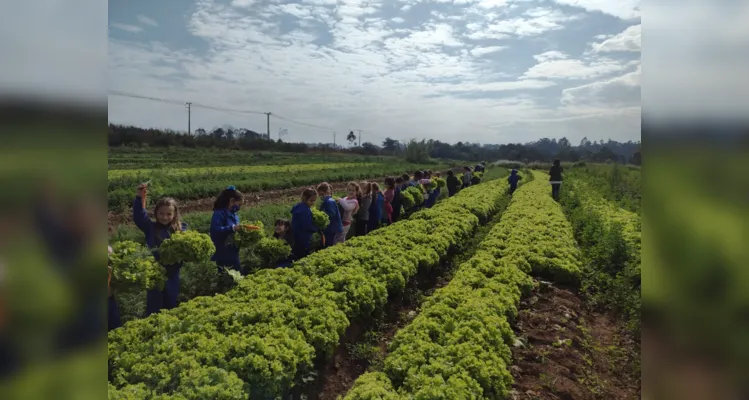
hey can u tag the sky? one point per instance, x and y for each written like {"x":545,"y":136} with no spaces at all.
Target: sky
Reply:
{"x":486,"y":71}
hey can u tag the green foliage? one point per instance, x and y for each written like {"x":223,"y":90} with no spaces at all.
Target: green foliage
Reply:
{"x":186,"y":246}
{"x":416,"y":193}
{"x":440,"y":183}
{"x":248,"y":235}
{"x":272,"y":250}
{"x":269,"y":329}
{"x":611,"y":242}
{"x":417,"y":152}
{"x":407,"y":199}
{"x":373,"y":386}
{"x":320,"y":219}
{"x":197,"y":279}
{"x":133,"y":267}
{"x":459,"y":346}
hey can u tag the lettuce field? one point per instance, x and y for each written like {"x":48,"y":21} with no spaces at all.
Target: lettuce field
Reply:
{"x":485,"y":295}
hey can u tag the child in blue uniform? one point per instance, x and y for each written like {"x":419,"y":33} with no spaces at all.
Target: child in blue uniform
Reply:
{"x":330,"y":207}
{"x":224,"y":223}
{"x":375,"y":208}
{"x":167,"y":222}
{"x":397,"y":202}
{"x":302,"y":227}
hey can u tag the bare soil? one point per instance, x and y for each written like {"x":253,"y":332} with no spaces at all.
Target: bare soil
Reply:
{"x":565,"y":351}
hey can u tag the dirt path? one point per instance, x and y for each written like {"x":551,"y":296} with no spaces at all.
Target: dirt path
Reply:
{"x":565,"y":351}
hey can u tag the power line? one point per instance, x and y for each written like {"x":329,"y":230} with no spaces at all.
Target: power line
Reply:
{"x":168,"y":101}
{"x":190,"y":105}
{"x":326,"y":128}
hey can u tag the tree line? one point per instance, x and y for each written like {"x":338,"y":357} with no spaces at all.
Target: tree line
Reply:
{"x":416,"y":151}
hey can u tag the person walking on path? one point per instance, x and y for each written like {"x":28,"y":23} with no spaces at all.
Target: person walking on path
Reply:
{"x":555,"y":178}
{"x":513,"y":180}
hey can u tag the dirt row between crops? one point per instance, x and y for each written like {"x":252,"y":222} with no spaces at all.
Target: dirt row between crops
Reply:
{"x":253,"y":199}
{"x":565,"y":351}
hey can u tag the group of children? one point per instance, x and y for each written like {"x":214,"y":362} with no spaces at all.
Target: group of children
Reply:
{"x":365,"y":207}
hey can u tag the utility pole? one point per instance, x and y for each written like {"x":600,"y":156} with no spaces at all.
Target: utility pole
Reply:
{"x":334,"y":140}
{"x":267,"y":116}
{"x":188,"y":105}
{"x":359,"y":130}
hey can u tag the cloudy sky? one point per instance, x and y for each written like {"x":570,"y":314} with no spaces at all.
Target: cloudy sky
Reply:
{"x":488,"y":71}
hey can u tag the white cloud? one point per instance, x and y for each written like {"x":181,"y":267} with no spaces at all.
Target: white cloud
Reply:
{"x":534,"y":22}
{"x":556,"y":65}
{"x":147,"y":21}
{"x":482,"y":51}
{"x":126,"y":27}
{"x":628,"y":40}
{"x":620,"y":91}
{"x":623,"y":9}
{"x":550,"y":55}
{"x":398,"y":20}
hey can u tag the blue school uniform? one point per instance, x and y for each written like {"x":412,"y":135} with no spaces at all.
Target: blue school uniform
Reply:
{"x":397,"y":203}
{"x":375,"y":212}
{"x":222,"y":235}
{"x":302,"y":229}
{"x":155,"y":234}
{"x":330,"y":207}
{"x":434,"y":196}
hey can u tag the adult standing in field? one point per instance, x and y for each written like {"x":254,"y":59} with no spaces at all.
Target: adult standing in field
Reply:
{"x":555,"y":178}
{"x":224,"y":223}
{"x":362,"y":217}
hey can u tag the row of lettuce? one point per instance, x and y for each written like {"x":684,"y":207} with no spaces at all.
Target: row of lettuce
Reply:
{"x":610,"y":239}
{"x":135,"y":270}
{"x":459,"y":345}
{"x":263,"y":337}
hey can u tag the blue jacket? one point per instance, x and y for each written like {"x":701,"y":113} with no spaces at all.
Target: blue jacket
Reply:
{"x":302,"y":228}
{"x":375,"y":209}
{"x":513,"y":178}
{"x":222,"y":235}
{"x":397,"y":202}
{"x":154,"y":231}
{"x":330,"y":207}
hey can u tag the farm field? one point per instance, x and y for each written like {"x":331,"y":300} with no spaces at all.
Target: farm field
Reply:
{"x":484,"y":295}
{"x":195,"y":182}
